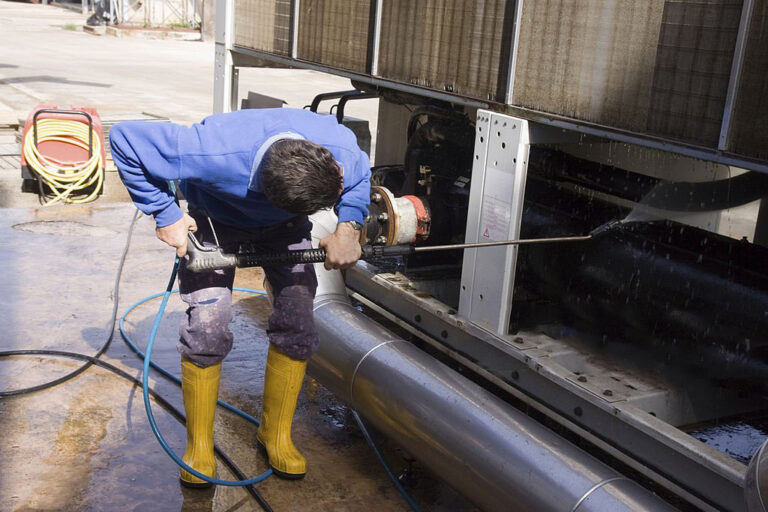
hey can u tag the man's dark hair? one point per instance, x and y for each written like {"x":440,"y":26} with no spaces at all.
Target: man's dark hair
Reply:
{"x":300,"y":177}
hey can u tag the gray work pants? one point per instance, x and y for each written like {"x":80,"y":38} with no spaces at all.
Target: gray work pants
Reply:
{"x":204,"y":334}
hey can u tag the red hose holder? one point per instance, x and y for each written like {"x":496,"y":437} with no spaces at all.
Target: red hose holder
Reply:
{"x":61,"y":151}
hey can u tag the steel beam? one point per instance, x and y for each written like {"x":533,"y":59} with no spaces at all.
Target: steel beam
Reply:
{"x":639,"y":139}
{"x":242,"y":56}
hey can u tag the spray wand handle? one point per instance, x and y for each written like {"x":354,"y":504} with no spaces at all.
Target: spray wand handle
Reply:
{"x":201,"y":258}
{"x":302,"y":256}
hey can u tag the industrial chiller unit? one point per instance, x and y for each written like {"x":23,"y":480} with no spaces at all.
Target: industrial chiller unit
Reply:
{"x":502,"y":119}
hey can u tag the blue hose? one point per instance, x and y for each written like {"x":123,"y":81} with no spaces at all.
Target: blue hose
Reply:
{"x":399,"y":486}
{"x":163,"y":371}
{"x":145,"y":391}
{"x":145,"y":383}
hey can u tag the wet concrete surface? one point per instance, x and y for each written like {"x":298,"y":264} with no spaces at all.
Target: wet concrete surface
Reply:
{"x":86,"y":444}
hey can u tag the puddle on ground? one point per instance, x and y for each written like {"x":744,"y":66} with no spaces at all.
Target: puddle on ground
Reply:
{"x":63,"y":228}
{"x":337,"y":415}
{"x":738,"y":440}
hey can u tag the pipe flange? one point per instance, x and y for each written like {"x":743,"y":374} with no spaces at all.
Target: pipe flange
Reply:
{"x":396,"y":220}
{"x":390,"y":222}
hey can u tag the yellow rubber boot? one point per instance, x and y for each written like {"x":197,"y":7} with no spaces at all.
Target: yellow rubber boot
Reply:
{"x":200,"y":387}
{"x":282,"y":382}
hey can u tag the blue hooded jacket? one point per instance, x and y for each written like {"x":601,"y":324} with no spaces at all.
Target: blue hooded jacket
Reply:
{"x":217,"y":164}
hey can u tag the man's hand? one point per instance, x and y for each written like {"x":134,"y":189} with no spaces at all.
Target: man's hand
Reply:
{"x":342,"y":248}
{"x":175,"y":234}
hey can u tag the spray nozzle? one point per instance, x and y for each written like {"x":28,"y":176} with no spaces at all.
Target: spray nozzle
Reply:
{"x":605,"y":228}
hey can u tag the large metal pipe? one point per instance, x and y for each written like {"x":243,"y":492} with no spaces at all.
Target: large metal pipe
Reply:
{"x":493,"y":454}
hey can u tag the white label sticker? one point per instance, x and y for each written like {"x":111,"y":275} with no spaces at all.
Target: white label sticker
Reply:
{"x":497,"y":205}
{"x":494,"y":223}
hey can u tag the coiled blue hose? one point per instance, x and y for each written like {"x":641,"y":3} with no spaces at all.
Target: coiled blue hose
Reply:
{"x":145,"y":382}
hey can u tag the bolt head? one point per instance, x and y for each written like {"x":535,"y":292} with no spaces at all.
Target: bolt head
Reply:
{"x":383,"y":217}
{"x":375,"y":197}
{"x":381,"y":240}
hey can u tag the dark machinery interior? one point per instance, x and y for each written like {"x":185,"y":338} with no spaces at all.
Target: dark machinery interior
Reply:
{"x":438,"y":168}
{"x":668,"y":299}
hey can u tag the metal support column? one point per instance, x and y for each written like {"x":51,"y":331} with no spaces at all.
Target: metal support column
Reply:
{"x":376,"y":37}
{"x":235,"y":88}
{"x":495,"y":207}
{"x":736,"y":66}
{"x":224,"y":71}
{"x":295,"y":10}
{"x":513,"y":53}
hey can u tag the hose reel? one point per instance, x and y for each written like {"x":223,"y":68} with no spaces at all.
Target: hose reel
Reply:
{"x":63,"y":150}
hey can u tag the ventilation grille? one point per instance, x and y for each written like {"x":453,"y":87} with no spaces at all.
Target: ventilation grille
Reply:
{"x":459,"y":46}
{"x":264,"y":25}
{"x":640,"y":65}
{"x":335,"y":33}
{"x":658,"y":68}
{"x":591,"y":60}
{"x":693,"y":67}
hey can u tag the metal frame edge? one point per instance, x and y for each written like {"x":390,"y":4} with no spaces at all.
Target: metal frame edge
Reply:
{"x":736,"y":68}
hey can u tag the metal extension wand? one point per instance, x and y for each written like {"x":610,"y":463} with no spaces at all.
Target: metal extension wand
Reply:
{"x":201,"y":258}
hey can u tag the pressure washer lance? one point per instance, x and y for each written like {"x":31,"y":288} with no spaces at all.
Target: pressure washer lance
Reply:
{"x":201,"y":258}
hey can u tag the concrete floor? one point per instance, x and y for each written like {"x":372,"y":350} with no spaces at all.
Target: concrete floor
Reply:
{"x":86,"y":444}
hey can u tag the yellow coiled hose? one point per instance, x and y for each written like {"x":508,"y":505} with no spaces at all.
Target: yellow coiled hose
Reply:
{"x":69,"y":182}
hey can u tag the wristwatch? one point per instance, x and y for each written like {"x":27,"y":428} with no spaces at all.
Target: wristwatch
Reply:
{"x":355,"y":224}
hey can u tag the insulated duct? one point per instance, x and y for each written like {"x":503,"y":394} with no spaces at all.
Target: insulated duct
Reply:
{"x":490,"y":452}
